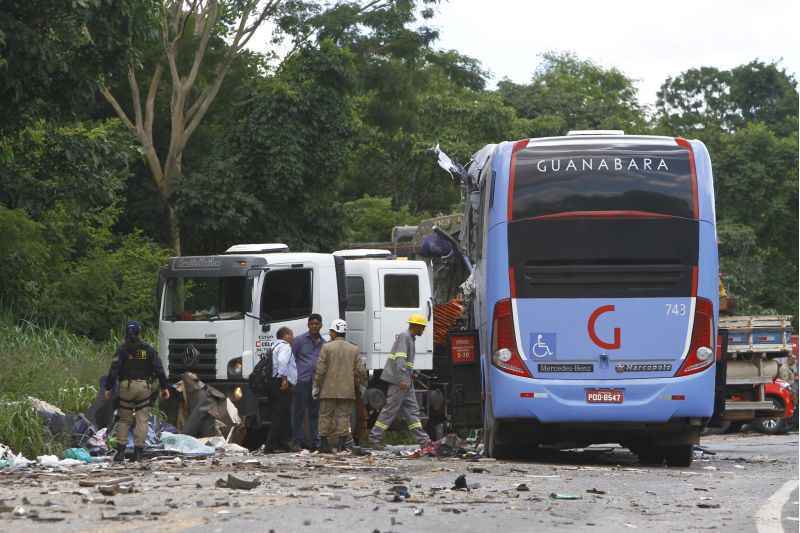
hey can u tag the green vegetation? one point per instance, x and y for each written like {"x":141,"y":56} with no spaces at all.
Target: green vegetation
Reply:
{"x":51,"y":364}
{"x":324,"y":145}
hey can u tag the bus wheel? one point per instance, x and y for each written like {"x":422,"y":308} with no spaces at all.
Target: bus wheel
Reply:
{"x":651,"y":457}
{"x":493,"y":447}
{"x":679,"y":455}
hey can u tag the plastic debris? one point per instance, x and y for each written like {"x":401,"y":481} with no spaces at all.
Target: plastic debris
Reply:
{"x":461,"y":482}
{"x":595,"y":491}
{"x":400,"y":490}
{"x":47,"y":460}
{"x":708,"y":505}
{"x":9,"y":460}
{"x":564,"y":496}
{"x":80,"y":454}
{"x":185,"y":444}
{"x":234,"y":482}
{"x":522,"y":487}
{"x":54,"y":418}
{"x":419,"y":511}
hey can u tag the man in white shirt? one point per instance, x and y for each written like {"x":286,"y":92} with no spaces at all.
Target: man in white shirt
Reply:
{"x":284,"y":377}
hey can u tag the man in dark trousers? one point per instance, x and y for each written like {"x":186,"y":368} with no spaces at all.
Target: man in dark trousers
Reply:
{"x":134,"y":365}
{"x":306,"y":349}
{"x":284,"y":378}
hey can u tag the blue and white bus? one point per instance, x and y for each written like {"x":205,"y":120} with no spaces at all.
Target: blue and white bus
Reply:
{"x":597,"y":299}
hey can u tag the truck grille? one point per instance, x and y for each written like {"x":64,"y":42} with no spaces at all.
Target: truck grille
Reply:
{"x":193,"y":355}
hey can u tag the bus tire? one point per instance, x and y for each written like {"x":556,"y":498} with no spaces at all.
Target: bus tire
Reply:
{"x":679,"y":455}
{"x":651,"y":457}
{"x":493,"y":447}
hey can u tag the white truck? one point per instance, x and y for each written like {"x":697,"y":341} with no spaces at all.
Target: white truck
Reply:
{"x":219,"y":314}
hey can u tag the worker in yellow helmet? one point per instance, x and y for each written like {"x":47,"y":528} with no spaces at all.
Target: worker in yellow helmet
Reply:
{"x":400,"y":397}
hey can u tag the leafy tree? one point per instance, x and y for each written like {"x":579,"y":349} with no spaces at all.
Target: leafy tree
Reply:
{"x":710,"y":101}
{"x":24,"y":252}
{"x":68,"y":178}
{"x":53,"y":53}
{"x":179,"y":21}
{"x":371,"y":219}
{"x":757,"y":187}
{"x":108,"y":287}
{"x":392,"y":158}
{"x":275,"y":178}
{"x":567,"y":93}
{"x":186,"y":28}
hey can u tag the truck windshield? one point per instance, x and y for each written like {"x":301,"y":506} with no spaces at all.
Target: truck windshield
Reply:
{"x":224,"y":298}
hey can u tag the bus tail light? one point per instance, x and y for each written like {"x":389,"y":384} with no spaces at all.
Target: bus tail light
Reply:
{"x":505,"y":355}
{"x":701,"y":355}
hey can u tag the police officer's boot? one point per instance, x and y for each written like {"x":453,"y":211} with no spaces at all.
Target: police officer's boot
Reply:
{"x":137,"y":453}
{"x":324,"y":445}
{"x":120,"y":455}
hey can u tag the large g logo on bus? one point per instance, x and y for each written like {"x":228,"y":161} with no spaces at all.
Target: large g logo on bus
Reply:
{"x":593,"y":335}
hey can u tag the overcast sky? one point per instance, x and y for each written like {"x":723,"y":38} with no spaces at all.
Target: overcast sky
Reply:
{"x":645,"y":39}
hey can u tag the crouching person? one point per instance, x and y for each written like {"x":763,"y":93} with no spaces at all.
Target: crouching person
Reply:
{"x":134,"y":365}
{"x":339,"y":369}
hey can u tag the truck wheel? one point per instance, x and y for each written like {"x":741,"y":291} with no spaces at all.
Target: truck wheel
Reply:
{"x":679,"y":455}
{"x":734,"y":427}
{"x":773,"y":425}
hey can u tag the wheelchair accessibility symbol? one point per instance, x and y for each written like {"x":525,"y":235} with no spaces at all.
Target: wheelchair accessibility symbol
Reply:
{"x":543,"y":345}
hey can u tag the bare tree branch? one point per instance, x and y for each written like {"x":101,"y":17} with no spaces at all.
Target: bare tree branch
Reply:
{"x":268,"y":10}
{"x":117,"y":108}
{"x":205,"y":102}
{"x":149,"y":109}
{"x":209,"y":18}
{"x":136,"y":97}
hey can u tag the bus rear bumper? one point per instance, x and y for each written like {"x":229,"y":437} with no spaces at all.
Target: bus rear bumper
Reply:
{"x":643,"y":400}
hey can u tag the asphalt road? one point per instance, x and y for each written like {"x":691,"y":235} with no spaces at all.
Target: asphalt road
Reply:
{"x":750,"y":485}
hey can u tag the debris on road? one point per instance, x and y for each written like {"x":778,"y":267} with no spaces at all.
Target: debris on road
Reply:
{"x":10,"y":460}
{"x":564,"y":496}
{"x":595,"y":491}
{"x":234,"y":482}
{"x":461,"y":483}
{"x":185,"y":444}
{"x":79,"y":454}
{"x":522,"y":487}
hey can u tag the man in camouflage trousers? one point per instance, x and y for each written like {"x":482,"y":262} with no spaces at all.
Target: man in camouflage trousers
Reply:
{"x":339,"y":371}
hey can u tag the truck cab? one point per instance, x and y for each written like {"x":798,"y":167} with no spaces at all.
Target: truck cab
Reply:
{"x":382,"y":293}
{"x":219,"y":314}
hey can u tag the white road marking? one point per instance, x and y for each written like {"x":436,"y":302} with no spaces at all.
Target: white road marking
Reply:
{"x":768,"y":518}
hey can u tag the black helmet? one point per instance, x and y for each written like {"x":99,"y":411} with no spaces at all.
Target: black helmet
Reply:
{"x":132,"y":329}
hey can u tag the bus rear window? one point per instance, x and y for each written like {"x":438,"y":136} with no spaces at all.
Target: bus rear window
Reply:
{"x":551,"y":180}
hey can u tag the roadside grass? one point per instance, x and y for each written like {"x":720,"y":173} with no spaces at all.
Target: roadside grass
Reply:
{"x":48,"y":363}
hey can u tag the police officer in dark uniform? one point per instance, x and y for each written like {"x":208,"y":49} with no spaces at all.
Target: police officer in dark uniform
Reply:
{"x":135,"y":364}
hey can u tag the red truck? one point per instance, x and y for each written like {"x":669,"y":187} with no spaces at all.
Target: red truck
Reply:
{"x":755,"y":394}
